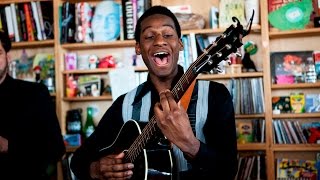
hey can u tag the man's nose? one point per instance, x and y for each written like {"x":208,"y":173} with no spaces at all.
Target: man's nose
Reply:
{"x":160,"y":40}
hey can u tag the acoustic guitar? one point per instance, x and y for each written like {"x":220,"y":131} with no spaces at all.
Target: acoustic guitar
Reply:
{"x":158,"y":164}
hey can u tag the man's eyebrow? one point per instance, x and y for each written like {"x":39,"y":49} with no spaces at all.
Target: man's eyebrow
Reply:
{"x":168,"y":25}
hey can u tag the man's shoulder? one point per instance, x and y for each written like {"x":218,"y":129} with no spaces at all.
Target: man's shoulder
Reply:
{"x":213,"y":83}
{"x":30,"y":87}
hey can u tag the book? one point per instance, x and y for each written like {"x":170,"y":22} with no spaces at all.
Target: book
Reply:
{"x":213,"y":17}
{"x":28,"y":22}
{"x":316,"y":57}
{"x":16,"y":9}
{"x":9,"y":21}
{"x":228,"y":9}
{"x":312,"y":103}
{"x":17,"y":36}
{"x":245,"y":131}
{"x":106,"y":21}
{"x":281,"y":103}
{"x":33,"y":21}
{"x":277,"y":131}
{"x":68,"y":26}
{"x":282,"y":132}
{"x":296,"y":169}
{"x":36,"y":20}
{"x":297,"y":103}
{"x":300,"y":132}
{"x":287,"y":132}
{"x":288,"y":15}
{"x":83,"y":22}
{"x":293,"y":132}
{"x":4,"y":26}
{"x":128,"y":20}
{"x":23,"y":25}
{"x":288,"y":67}
{"x":47,"y":16}
{"x":43,"y":34}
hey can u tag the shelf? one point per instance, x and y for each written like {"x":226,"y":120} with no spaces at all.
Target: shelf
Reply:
{"x":100,"y":45}
{"x":100,"y":70}
{"x":89,"y":98}
{"x":296,"y":147}
{"x":249,"y":116}
{"x":252,"y":146}
{"x":32,"y":44}
{"x":71,"y":149}
{"x":229,"y":76}
{"x":296,"y":115}
{"x":254,"y":28}
{"x":18,"y":1}
{"x":295,"y":86}
{"x":131,"y":43}
{"x":294,"y":33}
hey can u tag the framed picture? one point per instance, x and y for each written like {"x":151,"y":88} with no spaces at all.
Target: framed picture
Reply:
{"x":288,"y":67}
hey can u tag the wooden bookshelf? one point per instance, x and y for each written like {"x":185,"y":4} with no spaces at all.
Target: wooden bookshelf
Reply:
{"x":249,"y":116}
{"x":296,"y":86}
{"x":33,"y":44}
{"x":89,"y":98}
{"x":100,"y":70}
{"x":295,"y":115}
{"x":294,"y":33}
{"x":255,"y":28}
{"x":100,"y":45}
{"x":252,"y":147}
{"x":229,"y":76}
{"x":295,"y":147}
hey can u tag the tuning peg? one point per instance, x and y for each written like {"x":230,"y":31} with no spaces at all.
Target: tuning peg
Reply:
{"x":238,"y":54}
{"x":228,"y":61}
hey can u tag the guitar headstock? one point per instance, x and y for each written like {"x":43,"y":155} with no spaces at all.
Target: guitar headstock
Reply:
{"x":227,"y":43}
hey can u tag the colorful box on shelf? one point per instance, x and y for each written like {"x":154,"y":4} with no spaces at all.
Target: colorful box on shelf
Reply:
{"x":72,"y":139}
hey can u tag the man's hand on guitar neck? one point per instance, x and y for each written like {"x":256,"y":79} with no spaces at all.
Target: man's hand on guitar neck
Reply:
{"x":174,"y":123}
{"x":111,"y":167}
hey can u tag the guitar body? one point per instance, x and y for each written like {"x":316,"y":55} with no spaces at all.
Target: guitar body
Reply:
{"x":151,"y":164}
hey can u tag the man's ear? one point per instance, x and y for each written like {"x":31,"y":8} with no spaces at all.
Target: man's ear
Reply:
{"x":181,"y":45}
{"x":8,"y":55}
{"x":137,"y":48}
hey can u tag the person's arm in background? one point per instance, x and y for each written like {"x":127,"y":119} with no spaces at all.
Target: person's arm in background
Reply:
{"x":36,"y":138}
{"x":218,"y":156}
{"x":55,"y":144}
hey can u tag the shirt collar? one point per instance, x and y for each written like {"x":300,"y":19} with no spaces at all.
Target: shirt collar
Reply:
{"x":148,"y":85}
{"x":7,"y":80}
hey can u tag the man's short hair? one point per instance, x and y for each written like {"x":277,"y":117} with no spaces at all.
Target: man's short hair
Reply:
{"x":5,"y":40}
{"x":156,"y":10}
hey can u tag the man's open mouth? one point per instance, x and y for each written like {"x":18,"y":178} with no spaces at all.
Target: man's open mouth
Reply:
{"x":161,"y":58}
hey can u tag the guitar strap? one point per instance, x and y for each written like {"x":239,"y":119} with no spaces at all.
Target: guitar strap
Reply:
{"x":185,"y":99}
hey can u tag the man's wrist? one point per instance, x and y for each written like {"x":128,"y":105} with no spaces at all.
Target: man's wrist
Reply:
{"x":193,"y":151}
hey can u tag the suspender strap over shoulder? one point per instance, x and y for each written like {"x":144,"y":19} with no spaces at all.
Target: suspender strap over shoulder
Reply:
{"x":185,"y":100}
